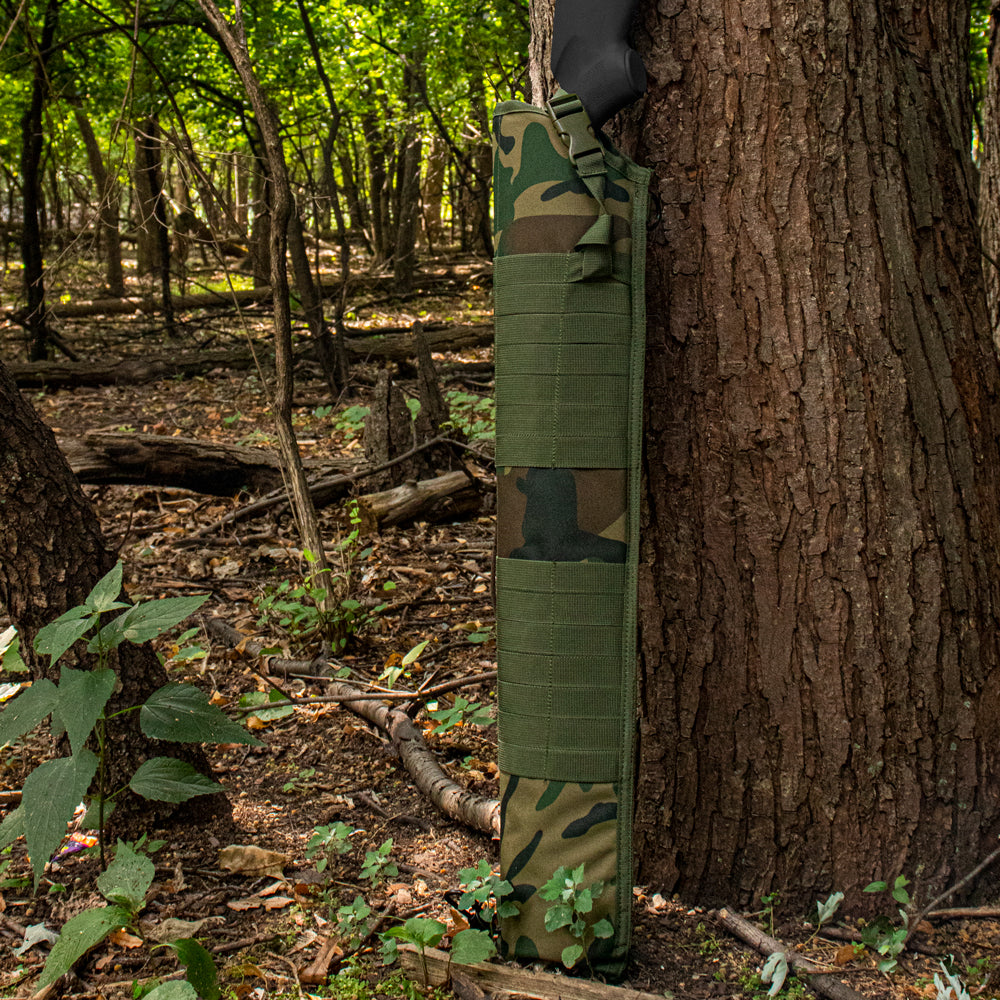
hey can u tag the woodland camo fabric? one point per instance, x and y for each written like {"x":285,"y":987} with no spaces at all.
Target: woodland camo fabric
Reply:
{"x":547,"y":824}
{"x":560,"y":515}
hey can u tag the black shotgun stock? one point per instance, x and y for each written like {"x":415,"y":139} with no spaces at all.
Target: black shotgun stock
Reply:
{"x":592,"y":58}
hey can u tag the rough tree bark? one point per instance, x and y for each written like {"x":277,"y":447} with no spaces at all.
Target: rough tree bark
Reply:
{"x":52,"y":552}
{"x":818,"y":591}
{"x":989,"y":183}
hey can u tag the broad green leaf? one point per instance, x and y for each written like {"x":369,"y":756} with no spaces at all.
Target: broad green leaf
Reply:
{"x":200,"y":967}
{"x":177,"y":989}
{"x":472,"y":946}
{"x":558,"y":916}
{"x":79,"y":935}
{"x":421,"y":931}
{"x":152,"y":618}
{"x":51,"y":794}
{"x":10,"y":652}
{"x":12,"y":827}
{"x":167,"y":779}
{"x":55,"y":638}
{"x":29,"y":708}
{"x":127,"y":879}
{"x":181,"y":713}
{"x":875,"y":887}
{"x":571,"y":955}
{"x":105,"y":594}
{"x":252,"y":698}
{"x":92,"y":817}
{"x":603,"y":928}
{"x":414,"y":654}
{"x":82,"y":697}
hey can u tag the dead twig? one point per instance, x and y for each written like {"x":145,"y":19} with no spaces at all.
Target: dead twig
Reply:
{"x":819,"y":980}
{"x":960,"y":884}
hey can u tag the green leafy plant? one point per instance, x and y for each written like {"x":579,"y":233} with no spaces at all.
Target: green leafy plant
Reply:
{"x":775,"y":972}
{"x":331,"y":840}
{"x":461,"y":712}
{"x":320,"y":605}
{"x":474,"y":415}
{"x":951,"y":987}
{"x":484,"y":892}
{"x":300,"y":783}
{"x":825,"y":910}
{"x":253,"y":699}
{"x":882,"y":934}
{"x":377,"y":867}
{"x":572,"y":906}
{"x":351,"y":421}
{"x":771,"y":902}
{"x":77,"y":705}
{"x":124,"y":884}
{"x":352,"y":921}
{"x":421,"y":932}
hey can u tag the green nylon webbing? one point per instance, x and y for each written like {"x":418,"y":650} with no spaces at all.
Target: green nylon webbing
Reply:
{"x":569,"y":609}
{"x":515,"y":270}
{"x":556,"y":328}
{"x":596,"y":763}
{"x":565,"y":359}
{"x":521,"y":697}
{"x":610,"y":297}
{"x":556,"y":623}
{"x":563,"y":671}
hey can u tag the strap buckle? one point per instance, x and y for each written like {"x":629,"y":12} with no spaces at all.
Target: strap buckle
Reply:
{"x":573,"y":125}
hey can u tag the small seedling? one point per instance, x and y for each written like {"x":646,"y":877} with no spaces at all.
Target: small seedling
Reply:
{"x":352,"y":921}
{"x":882,"y":935}
{"x":377,"y":867}
{"x":461,"y":713}
{"x":332,"y":840}
{"x":484,"y":893}
{"x":572,"y":903}
{"x":300,"y":783}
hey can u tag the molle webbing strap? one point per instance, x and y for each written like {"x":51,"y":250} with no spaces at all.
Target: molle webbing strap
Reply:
{"x":570,"y":338}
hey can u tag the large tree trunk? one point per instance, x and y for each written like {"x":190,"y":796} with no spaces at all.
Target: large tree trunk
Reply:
{"x":818,"y":591}
{"x":52,"y":552}
{"x":989,"y":184}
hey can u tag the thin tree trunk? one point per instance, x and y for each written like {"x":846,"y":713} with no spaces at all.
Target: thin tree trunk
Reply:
{"x":233,"y":40}
{"x":404,"y":258}
{"x":36,"y":321}
{"x":989,"y":184}
{"x":108,"y":205}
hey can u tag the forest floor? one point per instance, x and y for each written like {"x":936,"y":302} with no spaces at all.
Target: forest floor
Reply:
{"x":319,"y":764}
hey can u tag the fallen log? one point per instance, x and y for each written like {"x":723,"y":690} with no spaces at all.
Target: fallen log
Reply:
{"x":129,"y":371}
{"x":407,"y":740}
{"x":208,"y":467}
{"x":151,"y":367}
{"x":442,"y":498}
{"x":433,"y":967}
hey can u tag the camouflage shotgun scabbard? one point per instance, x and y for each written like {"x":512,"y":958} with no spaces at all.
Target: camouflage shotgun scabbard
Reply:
{"x":570,"y":218}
